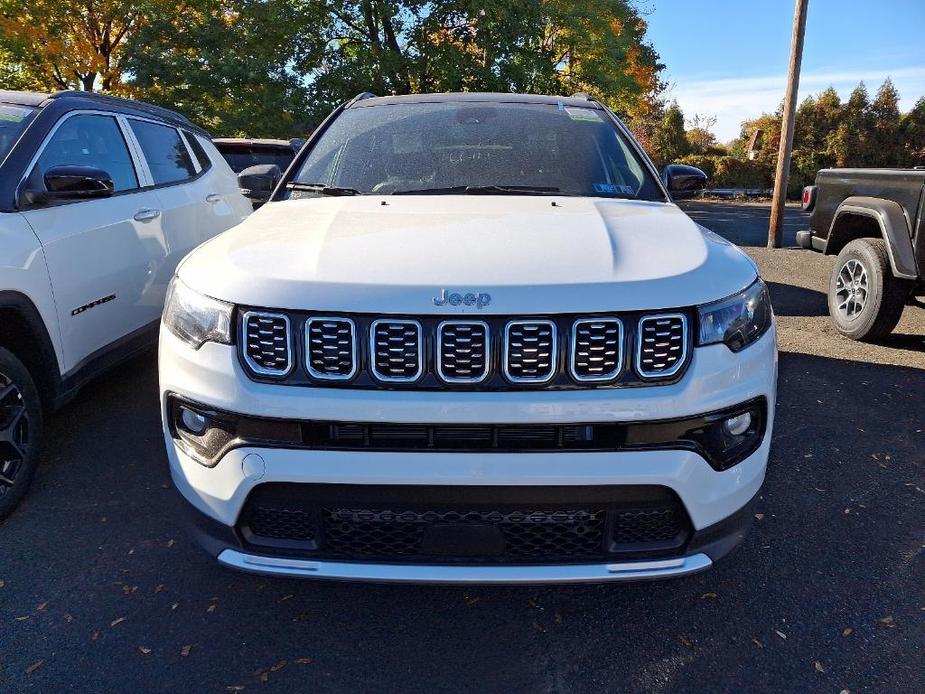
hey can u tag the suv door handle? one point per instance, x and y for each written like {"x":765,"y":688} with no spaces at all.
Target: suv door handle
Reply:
{"x":213,"y":198}
{"x":147,"y":214}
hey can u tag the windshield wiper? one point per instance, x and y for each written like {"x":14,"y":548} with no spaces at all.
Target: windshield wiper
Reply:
{"x":482,"y":190}
{"x":322,"y":188}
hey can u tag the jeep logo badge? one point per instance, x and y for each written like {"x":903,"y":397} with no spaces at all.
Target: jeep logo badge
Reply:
{"x":480,"y":300}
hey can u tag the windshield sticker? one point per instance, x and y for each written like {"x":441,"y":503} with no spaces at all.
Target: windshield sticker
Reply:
{"x":588,"y":115}
{"x":613,"y":188}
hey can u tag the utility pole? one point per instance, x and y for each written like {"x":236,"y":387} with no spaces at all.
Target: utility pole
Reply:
{"x":775,"y":230}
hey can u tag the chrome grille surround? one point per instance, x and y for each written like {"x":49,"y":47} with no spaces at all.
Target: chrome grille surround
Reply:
{"x":447,"y":347}
{"x":344,"y":346}
{"x":587,"y":348}
{"x":271,"y":347}
{"x":398,"y":347}
{"x":661,"y":359}
{"x":546,"y":349}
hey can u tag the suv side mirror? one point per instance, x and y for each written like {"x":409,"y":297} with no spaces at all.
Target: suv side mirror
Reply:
{"x":257,"y":182}
{"x":683,"y":181}
{"x":70,"y":182}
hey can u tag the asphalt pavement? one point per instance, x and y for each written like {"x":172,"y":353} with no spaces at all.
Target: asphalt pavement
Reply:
{"x":102,"y":591}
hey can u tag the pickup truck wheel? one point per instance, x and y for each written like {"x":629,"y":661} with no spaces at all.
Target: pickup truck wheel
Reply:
{"x":865,"y":300}
{"x":20,"y":431}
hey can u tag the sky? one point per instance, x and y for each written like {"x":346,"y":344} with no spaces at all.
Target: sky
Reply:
{"x":728,"y":58}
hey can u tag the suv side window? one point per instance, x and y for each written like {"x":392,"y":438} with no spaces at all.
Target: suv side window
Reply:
{"x":91,"y":140}
{"x":167,"y":156}
{"x":204,"y":162}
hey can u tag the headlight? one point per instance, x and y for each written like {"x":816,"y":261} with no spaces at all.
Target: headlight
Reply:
{"x":737,"y":320}
{"x":194,"y":318}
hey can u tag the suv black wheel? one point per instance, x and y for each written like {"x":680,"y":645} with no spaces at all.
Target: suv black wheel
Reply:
{"x":865,"y":300}
{"x":20,"y":430}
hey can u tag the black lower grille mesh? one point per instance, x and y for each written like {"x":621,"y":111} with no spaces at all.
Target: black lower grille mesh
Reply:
{"x":488,"y":533}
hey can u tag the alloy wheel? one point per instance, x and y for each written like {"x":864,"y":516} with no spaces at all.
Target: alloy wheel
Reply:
{"x":851,"y":289}
{"x":14,"y":433}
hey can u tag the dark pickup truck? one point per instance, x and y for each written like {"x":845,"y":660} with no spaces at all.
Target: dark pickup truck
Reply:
{"x":874,"y":220}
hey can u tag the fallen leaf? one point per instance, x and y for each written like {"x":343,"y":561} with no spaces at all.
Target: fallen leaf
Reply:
{"x":41,"y":606}
{"x":279,"y":666}
{"x":759,"y":516}
{"x":286,"y":597}
{"x":847,"y":631}
{"x":144,"y":650}
{"x":757,"y":643}
{"x":2,"y":583}
{"x":264,"y":677}
{"x":818,"y":666}
{"x":68,"y":617}
{"x":22,"y":619}
{"x":234,"y":688}
{"x":171,"y":543}
{"x":781,"y":634}
{"x":684,"y":641}
{"x":35,"y":666}
{"x":472,"y":601}
{"x":175,"y":606}
{"x":303,"y":661}
{"x":211,"y":608}
{"x":887,"y":621}
{"x":708,"y":596}
{"x":95,"y":635}
{"x":186,"y":650}
{"x":159,"y":588}
{"x":117,"y":621}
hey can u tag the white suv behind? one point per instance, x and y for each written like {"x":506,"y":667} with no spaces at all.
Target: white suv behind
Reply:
{"x":100,"y":198}
{"x":470,"y":339}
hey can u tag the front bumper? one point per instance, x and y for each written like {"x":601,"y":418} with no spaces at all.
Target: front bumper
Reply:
{"x":716,"y":503}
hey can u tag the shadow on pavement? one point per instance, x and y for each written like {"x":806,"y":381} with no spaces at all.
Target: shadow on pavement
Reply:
{"x":97,"y":567}
{"x":745,"y":225}
{"x":791,"y":300}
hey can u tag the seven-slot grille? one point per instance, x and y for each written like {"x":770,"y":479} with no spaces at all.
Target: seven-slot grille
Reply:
{"x":463,"y":348}
{"x":492,"y":353}
{"x":530,"y":351}
{"x":597,"y":349}
{"x":266,"y":343}
{"x":661,"y":345}
{"x":396,"y":350}
{"x":331,"y":348}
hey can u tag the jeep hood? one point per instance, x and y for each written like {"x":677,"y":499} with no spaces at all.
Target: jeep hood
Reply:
{"x":393,"y":254}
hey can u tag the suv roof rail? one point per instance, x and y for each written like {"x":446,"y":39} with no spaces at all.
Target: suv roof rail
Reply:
{"x":583,"y":95}
{"x":159,"y":111}
{"x":360,"y":97}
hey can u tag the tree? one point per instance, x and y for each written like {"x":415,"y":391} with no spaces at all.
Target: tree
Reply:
{"x":700,"y":133}
{"x":234,"y":66}
{"x":850,"y":142}
{"x":669,"y":141}
{"x":66,"y":45}
{"x":912,"y":134}
{"x":883,"y":139}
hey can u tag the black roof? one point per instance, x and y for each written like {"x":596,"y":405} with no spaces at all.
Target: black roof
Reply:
{"x":82,"y":98}
{"x":577,"y":101}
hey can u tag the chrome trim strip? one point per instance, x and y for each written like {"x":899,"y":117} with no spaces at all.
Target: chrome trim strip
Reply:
{"x":680,"y":363}
{"x":620,"y":349}
{"x":454,"y":574}
{"x":353,"y":355}
{"x":372,"y":350}
{"x":251,"y":364}
{"x":439,"y":356}
{"x":554,"y":356}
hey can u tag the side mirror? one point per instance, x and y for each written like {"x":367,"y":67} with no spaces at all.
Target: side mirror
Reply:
{"x":683,"y":181}
{"x":68,"y":182}
{"x":257,"y":182}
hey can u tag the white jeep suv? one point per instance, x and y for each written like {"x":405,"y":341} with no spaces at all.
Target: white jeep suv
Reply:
{"x":100,"y":198}
{"x":470,"y":339}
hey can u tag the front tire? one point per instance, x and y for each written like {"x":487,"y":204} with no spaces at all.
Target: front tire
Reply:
{"x":865,"y":300}
{"x":20,"y":431}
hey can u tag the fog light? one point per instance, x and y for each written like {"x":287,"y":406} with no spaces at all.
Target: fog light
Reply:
{"x":738,"y":425}
{"x":193,"y":422}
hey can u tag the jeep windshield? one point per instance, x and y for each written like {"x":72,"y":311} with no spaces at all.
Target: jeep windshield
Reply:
{"x":13,"y":120}
{"x":475,"y":148}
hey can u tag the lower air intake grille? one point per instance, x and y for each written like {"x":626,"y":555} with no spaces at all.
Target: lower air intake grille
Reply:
{"x":266,"y":343}
{"x":662,"y":345}
{"x":597,"y":349}
{"x":331,"y":348}
{"x":462,"y":351}
{"x":530,"y":351}
{"x":396,"y":350}
{"x":440,"y":525}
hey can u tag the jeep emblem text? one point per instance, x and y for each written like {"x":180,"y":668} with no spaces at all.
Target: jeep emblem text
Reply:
{"x":480,"y":300}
